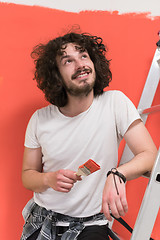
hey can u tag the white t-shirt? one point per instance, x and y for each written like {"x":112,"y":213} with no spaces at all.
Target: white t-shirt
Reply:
{"x":68,"y":142}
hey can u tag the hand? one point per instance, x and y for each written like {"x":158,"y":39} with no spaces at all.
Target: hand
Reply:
{"x":112,"y":200}
{"x":62,"y":180}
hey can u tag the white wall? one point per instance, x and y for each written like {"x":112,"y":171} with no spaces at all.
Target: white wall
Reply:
{"x":152,"y":7}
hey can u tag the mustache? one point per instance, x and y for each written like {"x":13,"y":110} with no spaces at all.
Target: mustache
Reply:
{"x":84,"y":70}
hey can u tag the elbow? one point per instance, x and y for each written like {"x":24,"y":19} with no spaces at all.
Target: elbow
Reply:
{"x":152,"y":155}
{"x":25,"y":181}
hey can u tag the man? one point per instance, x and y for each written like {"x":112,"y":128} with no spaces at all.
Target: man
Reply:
{"x":82,"y":122}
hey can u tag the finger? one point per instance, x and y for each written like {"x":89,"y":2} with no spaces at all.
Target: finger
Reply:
{"x":64,"y":190}
{"x":124,"y":204}
{"x":68,"y":180}
{"x":79,"y":178}
{"x":121,"y":203}
{"x":65,"y":176}
{"x":71,"y":175}
{"x":64,"y":187}
{"x":106,"y":210}
{"x":119,"y":210}
{"x":114,"y":210}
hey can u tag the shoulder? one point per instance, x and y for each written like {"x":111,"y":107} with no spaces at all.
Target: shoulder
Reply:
{"x":118,"y":101}
{"x":113,"y":95}
{"x":45,"y":112}
{"x":42,"y":114}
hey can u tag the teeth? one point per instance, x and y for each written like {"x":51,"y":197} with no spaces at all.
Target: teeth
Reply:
{"x":82,"y":75}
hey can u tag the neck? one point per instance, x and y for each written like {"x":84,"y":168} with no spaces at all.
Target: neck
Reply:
{"x":77,"y":105}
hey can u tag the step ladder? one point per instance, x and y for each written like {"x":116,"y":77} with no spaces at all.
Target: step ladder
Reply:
{"x":151,"y":201}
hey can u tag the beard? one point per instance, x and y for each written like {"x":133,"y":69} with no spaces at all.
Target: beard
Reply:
{"x":79,"y":91}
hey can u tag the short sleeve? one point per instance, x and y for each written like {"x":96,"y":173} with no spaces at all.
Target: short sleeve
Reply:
{"x":31,"y":140}
{"x":125,"y":112}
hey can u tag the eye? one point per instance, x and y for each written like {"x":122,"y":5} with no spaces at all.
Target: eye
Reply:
{"x":84,"y":55}
{"x":68,"y":61}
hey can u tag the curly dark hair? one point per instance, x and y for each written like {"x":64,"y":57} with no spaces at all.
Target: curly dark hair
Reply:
{"x":47,"y":74}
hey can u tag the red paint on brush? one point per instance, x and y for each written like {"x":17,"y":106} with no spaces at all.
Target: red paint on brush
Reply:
{"x":91,"y":165}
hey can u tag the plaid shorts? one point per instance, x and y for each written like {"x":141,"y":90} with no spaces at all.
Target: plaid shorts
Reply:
{"x":37,"y":217}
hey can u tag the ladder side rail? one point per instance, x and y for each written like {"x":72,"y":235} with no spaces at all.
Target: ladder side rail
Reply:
{"x":151,"y":83}
{"x":150,"y":206}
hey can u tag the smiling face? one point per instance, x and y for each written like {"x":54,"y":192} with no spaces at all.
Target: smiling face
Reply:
{"x":76,"y":69}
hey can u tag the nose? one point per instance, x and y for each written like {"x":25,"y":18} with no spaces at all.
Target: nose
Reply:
{"x":79,"y":64}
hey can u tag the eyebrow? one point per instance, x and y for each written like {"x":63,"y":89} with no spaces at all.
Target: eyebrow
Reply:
{"x":68,"y":56}
{"x":64,"y":57}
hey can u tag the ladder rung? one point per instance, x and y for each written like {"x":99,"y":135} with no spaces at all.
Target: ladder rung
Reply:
{"x":152,"y":109}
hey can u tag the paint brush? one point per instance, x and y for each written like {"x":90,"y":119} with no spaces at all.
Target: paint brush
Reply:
{"x":87,"y":168}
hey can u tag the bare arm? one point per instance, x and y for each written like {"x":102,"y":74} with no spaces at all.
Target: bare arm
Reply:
{"x":35,"y":179}
{"x":142,"y":146}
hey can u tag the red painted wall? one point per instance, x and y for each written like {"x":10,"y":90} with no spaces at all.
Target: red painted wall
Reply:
{"x":131,"y":40}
